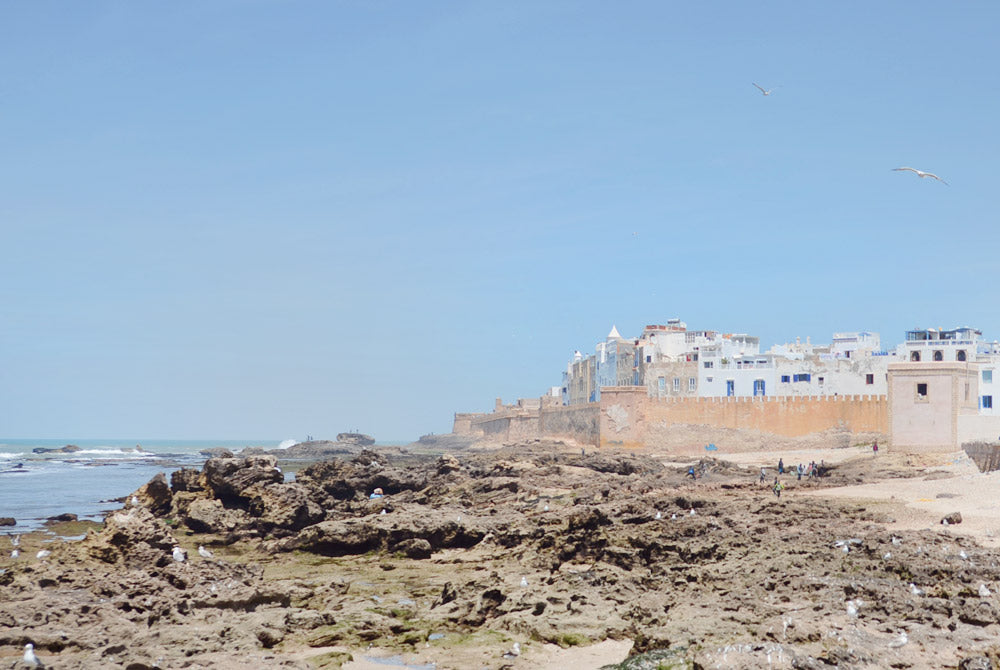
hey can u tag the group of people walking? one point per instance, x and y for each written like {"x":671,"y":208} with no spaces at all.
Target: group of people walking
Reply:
{"x":812,"y":470}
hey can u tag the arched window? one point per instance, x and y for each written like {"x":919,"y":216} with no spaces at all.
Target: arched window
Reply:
{"x":915,"y":356}
{"x":939,"y":355}
{"x":960,"y":355}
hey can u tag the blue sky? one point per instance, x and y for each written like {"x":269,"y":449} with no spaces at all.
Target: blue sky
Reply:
{"x":273,"y":219}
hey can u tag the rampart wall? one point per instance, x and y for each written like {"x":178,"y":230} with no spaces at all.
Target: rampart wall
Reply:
{"x":630,"y":418}
{"x":627,"y":417}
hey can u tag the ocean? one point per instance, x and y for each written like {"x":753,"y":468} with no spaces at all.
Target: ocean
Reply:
{"x":36,"y":486}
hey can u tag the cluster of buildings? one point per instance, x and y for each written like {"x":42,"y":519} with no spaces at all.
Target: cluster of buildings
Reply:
{"x":678,"y":389}
{"x":670,"y":361}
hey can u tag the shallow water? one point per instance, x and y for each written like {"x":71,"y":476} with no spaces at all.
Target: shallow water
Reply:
{"x":36,"y":486}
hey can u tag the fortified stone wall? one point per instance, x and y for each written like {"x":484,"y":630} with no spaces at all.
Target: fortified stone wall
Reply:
{"x":579,"y":423}
{"x":629,"y":418}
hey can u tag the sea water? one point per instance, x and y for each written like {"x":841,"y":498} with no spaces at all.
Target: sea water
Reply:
{"x":36,"y":486}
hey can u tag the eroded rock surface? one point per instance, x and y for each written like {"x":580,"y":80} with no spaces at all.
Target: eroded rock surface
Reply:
{"x":534,"y":544}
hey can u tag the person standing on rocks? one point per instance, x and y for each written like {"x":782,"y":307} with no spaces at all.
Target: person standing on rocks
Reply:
{"x":781,"y":467}
{"x":875,"y":448}
{"x":778,"y":488}
{"x":763,"y":475}
{"x":800,"y":470}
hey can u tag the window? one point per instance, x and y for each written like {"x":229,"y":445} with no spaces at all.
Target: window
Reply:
{"x":939,"y":355}
{"x":758,"y":387}
{"x":677,"y":384}
{"x":869,"y":379}
{"x":987,"y":376}
{"x":819,"y":380}
{"x":649,"y":359}
{"x":921,"y":391}
{"x":785,"y":379}
{"x":960,"y":355}
{"x":661,"y":384}
{"x":730,"y":387}
{"x":708,"y":364}
{"x":708,"y":379}
{"x":987,"y":402}
{"x":692,"y":384}
{"x":804,"y":377}
{"x":915,"y":356}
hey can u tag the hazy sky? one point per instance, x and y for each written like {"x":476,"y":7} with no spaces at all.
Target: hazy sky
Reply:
{"x":273,"y":219}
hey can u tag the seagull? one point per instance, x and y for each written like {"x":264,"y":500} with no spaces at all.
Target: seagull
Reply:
{"x":205,"y":553}
{"x":899,"y":641}
{"x":15,"y":540}
{"x":30,"y":658}
{"x":135,"y":501}
{"x":692,"y":512}
{"x":659,"y":516}
{"x":524,"y":582}
{"x":916,"y":590}
{"x":15,"y":553}
{"x":178,"y":554}
{"x":763,"y":90}
{"x":514,"y":652}
{"x":983,"y":591}
{"x":921,"y":174}
{"x":43,"y":553}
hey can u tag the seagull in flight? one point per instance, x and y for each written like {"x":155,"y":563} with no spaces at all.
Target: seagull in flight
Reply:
{"x":767,"y":91}
{"x":921,"y":174}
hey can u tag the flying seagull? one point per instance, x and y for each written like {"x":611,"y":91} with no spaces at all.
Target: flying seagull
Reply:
{"x":921,"y":174}
{"x":768,"y":91}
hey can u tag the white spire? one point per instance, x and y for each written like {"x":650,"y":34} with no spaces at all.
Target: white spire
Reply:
{"x":614,"y":334}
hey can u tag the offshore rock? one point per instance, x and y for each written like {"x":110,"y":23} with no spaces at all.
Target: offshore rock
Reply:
{"x":359,"y":439}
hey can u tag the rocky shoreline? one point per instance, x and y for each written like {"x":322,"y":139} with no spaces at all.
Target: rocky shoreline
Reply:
{"x":465,"y":554}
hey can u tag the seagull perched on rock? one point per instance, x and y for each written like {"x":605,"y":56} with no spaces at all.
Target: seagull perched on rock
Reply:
{"x":205,"y":553}
{"x":763,"y":90}
{"x":899,"y":641}
{"x":15,"y":553}
{"x":43,"y":553}
{"x":179,"y":555}
{"x":15,"y":540}
{"x":30,"y":658}
{"x":514,"y":652}
{"x":920,"y":173}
